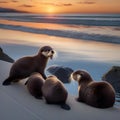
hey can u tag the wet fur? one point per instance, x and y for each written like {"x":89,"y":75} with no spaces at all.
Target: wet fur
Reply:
{"x":34,"y":85}
{"x":25,"y":66}
{"x":96,"y":94}
{"x":54,"y":92}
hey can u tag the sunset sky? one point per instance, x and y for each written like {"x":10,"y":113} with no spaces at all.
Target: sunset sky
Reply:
{"x":63,"y":6}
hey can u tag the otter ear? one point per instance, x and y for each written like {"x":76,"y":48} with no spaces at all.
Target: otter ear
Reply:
{"x":75,"y":76}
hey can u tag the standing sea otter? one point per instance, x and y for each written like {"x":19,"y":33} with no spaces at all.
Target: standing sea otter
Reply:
{"x":96,"y":94}
{"x":25,"y":66}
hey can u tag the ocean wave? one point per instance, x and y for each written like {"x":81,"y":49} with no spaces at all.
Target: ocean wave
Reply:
{"x":74,"y":20}
{"x":64,"y":33}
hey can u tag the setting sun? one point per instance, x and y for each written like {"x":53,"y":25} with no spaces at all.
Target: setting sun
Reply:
{"x":50,"y":10}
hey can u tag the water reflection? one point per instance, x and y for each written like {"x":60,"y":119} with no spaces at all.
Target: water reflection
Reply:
{"x":113,"y":31}
{"x":70,"y":48}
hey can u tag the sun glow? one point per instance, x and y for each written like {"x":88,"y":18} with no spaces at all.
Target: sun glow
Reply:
{"x":50,"y":10}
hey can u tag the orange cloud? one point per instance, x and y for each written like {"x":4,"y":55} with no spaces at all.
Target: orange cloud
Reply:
{"x":57,"y":4}
{"x":87,"y":2}
{"x":25,"y":5}
{"x":15,"y":1}
{"x":3,"y":2}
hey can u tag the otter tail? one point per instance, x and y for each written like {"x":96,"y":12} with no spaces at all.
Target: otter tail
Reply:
{"x":65,"y":106}
{"x":7,"y":81}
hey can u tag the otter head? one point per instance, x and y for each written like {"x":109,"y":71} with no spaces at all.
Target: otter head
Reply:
{"x":81,"y":75}
{"x":47,"y":51}
{"x":52,"y":77}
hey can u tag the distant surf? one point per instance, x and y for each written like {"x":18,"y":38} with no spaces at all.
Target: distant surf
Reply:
{"x":110,"y":22}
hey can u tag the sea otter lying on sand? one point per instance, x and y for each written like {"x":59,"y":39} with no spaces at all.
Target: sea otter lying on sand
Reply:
{"x":54,"y":92}
{"x":96,"y":94}
{"x":34,"y":85}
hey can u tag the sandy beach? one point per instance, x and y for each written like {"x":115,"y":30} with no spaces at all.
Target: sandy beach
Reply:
{"x":17,"y":103}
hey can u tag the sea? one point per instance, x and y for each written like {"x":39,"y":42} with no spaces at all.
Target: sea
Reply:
{"x":95,"y":38}
{"x":94,"y":27}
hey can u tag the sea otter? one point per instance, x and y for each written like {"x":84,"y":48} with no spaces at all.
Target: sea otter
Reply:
{"x":34,"y":85}
{"x":25,"y":66}
{"x":96,"y":94}
{"x":54,"y":92}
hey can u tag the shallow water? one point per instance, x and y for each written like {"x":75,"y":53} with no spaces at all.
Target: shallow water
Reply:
{"x":81,"y":50}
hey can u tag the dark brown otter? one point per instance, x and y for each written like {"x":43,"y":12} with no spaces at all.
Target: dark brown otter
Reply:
{"x":54,"y":92}
{"x":96,"y":94}
{"x":25,"y":66}
{"x":34,"y":85}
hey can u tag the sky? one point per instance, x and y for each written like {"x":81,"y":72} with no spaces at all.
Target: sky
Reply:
{"x":63,"y":6}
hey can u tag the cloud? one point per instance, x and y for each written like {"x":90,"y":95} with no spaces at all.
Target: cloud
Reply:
{"x":57,"y":4}
{"x":25,"y":5}
{"x":15,"y":1}
{"x":68,"y":4}
{"x":87,"y":2}
{"x":8,"y":1}
{"x":3,"y":2}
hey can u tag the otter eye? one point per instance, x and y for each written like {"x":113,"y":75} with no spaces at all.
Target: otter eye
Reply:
{"x":52,"y":52}
{"x":82,"y":74}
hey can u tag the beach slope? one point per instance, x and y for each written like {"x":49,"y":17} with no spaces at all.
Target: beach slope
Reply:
{"x":17,"y":104}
